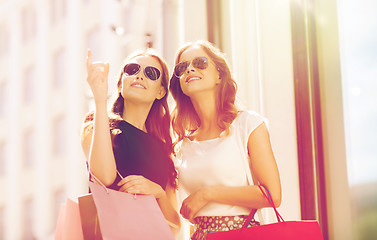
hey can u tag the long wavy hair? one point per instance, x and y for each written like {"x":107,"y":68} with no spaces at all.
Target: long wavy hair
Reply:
{"x":158,"y":119}
{"x":185,"y":120}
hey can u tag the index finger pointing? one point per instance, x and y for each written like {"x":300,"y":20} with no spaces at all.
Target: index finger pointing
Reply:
{"x":89,"y":58}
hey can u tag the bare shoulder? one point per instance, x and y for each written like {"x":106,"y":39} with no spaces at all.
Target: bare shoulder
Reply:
{"x":86,"y":137}
{"x":86,"y":131}
{"x":259,"y":131}
{"x":259,"y":139}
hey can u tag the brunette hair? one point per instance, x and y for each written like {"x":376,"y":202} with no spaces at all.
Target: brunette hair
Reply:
{"x":185,"y":119}
{"x":158,"y":119}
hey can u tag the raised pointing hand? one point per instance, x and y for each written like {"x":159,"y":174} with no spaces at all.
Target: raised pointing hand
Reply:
{"x":97,"y":77}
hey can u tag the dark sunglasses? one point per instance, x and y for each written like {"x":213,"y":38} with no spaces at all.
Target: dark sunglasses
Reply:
{"x":198,"y":62}
{"x":133,"y":68}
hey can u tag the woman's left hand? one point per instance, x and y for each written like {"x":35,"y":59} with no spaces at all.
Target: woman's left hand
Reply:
{"x":193,"y":203}
{"x":136,"y":184}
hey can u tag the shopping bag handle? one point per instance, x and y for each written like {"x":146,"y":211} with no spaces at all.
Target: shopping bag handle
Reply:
{"x":267,"y":195}
{"x":91,"y":175}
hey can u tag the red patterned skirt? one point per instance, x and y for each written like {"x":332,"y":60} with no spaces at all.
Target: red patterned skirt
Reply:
{"x":205,"y":224}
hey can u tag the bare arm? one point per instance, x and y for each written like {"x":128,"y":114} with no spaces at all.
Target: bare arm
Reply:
{"x":168,"y":205}
{"x":97,"y":143}
{"x":265,"y":170}
{"x":263,"y":162}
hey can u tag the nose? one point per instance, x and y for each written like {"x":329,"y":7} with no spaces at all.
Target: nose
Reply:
{"x":140,"y":75}
{"x":190,"y":68}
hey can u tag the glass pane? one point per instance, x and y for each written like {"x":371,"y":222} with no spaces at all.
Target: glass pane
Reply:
{"x":29,"y":148}
{"x":28,"y":19}
{"x":59,"y":134}
{"x":29,"y":85}
{"x":59,"y":69}
{"x":58,"y":10}
{"x":358,"y":37}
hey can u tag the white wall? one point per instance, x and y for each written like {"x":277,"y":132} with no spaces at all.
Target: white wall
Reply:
{"x":194,"y":19}
{"x":261,"y":54}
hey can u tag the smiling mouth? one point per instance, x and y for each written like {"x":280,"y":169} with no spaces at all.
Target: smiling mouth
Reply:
{"x":192,"y":78}
{"x":138,"y":85}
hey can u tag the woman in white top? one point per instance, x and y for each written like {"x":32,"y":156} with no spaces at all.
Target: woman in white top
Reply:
{"x":219,"y":144}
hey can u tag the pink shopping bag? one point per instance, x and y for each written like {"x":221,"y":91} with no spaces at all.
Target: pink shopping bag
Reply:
{"x":69,"y":223}
{"x":126,"y":216}
{"x":89,"y":218}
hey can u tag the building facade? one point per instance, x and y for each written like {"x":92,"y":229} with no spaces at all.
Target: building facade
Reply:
{"x":274,"y":47}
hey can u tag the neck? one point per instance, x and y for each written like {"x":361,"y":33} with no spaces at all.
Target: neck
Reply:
{"x":136,"y":113}
{"x":205,"y":107}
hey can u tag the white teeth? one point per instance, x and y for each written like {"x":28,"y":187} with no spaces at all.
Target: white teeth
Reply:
{"x":192,"y":79}
{"x":138,"y":85}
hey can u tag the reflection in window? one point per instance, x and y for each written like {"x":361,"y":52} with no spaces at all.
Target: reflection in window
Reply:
{"x":59,"y":69}
{"x":59,"y":131}
{"x":29,"y":145}
{"x":29,"y":85}
{"x":28,"y":20}
{"x":28,"y":223}
{"x":358,"y":37}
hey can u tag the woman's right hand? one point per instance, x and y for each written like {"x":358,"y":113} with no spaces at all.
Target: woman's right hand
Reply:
{"x":97,"y":78}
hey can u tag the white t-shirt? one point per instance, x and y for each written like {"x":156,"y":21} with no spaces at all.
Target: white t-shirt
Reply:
{"x":220,"y":161}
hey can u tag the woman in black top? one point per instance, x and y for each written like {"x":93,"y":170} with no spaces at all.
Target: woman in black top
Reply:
{"x":133,"y":140}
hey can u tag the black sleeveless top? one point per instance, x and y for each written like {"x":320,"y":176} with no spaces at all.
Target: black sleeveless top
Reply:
{"x":139,"y":153}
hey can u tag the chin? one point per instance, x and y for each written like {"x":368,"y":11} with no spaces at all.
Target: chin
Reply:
{"x":192,"y":90}
{"x":136,"y":97}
